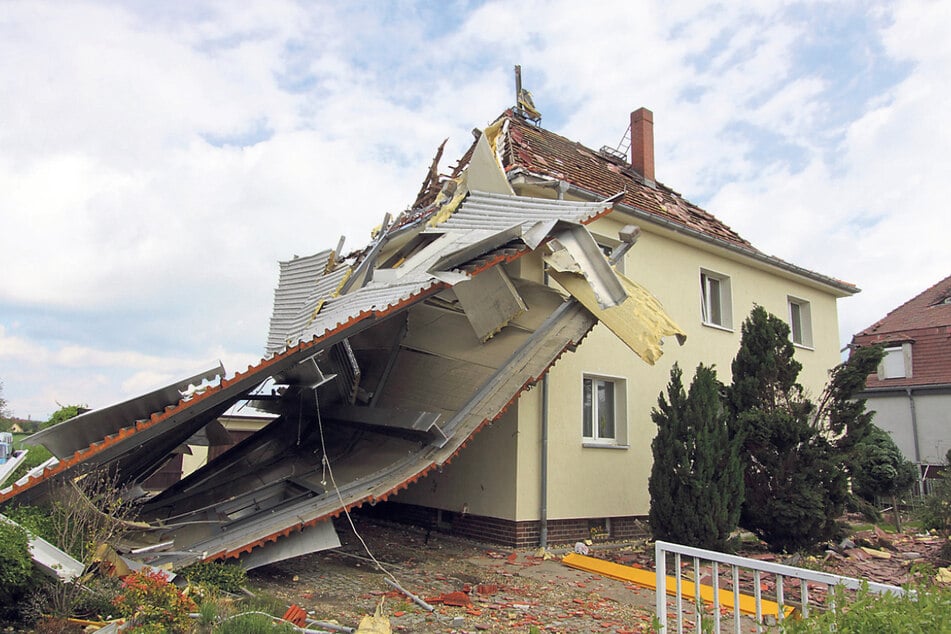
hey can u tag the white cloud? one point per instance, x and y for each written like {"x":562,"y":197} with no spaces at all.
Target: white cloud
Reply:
{"x":157,"y":160}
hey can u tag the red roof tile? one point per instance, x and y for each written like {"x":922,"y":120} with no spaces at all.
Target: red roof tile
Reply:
{"x":925,"y":322}
{"x":543,"y":152}
{"x":930,"y":309}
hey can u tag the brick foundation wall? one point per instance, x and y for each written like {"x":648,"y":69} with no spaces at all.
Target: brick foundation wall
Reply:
{"x":509,"y":533}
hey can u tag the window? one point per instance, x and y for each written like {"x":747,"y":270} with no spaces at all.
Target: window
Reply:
{"x":800,"y":322}
{"x":716,"y":299}
{"x":604,"y":404}
{"x":896,"y":364}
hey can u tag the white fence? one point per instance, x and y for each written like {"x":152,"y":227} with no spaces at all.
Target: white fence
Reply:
{"x":775,"y":605}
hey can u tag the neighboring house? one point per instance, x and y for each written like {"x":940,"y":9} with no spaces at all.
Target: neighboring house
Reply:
{"x":911,"y":392}
{"x":585,"y":472}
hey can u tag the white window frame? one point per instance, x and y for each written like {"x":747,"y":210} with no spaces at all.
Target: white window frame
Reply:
{"x":716,"y":300}
{"x":800,"y":321}
{"x":896,"y":364}
{"x":594,"y":437}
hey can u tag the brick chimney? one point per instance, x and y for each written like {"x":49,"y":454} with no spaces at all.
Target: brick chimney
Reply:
{"x":642,"y":143}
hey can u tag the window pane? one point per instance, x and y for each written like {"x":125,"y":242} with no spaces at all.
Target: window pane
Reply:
{"x":587,"y":428}
{"x":713,"y":296}
{"x":704,"y":300}
{"x":894,"y":363}
{"x":795,"y":321}
{"x":605,"y":409}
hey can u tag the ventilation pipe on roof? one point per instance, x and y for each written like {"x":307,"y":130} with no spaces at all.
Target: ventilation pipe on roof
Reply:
{"x":642,"y":143}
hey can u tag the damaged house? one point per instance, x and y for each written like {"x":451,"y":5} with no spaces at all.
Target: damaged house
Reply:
{"x":491,"y":357}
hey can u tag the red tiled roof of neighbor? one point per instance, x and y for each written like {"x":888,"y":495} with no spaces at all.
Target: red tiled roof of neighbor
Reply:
{"x":925,"y":322}
{"x":926,"y":310}
{"x":541,"y":151}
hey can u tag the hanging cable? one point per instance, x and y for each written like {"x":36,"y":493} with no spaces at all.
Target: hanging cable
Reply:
{"x":329,"y":470}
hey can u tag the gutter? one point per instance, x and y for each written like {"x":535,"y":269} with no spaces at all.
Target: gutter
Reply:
{"x":875,"y":391}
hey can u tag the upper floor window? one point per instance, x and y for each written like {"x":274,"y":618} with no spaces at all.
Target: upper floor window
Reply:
{"x":716,"y":299}
{"x":800,"y":322}
{"x":604,"y":405}
{"x":896,"y":364}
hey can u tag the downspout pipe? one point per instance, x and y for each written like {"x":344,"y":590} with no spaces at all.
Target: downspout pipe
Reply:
{"x":543,"y":462}
{"x":914,"y":435}
{"x":543,"y":510}
{"x":914,"y":422}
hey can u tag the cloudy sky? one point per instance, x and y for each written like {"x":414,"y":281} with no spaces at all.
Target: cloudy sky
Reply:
{"x":158,"y":159}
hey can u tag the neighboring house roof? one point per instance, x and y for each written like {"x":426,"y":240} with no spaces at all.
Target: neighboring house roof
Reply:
{"x":925,"y":322}
{"x":929,"y":309}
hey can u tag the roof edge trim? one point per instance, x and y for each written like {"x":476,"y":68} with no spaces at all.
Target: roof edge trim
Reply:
{"x":842,"y":287}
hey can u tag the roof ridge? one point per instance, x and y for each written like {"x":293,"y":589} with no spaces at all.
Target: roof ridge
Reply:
{"x":941,"y":287}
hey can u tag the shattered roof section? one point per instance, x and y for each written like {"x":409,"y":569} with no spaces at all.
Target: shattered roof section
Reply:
{"x":480,"y":217}
{"x":542,"y":152}
{"x":304,"y":283}
{"x":495,"y":212}
{"x":77,"y":433}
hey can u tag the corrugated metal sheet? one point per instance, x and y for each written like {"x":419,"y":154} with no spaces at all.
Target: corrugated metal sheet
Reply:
{"x":496,"y":212}
{"x":303,"y":284}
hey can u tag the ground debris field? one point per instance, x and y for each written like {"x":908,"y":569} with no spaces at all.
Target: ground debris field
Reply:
{"x":478,"y":587}
{"x":473,"y":587}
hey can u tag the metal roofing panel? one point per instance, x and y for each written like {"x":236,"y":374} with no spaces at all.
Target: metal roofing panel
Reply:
{"x":304,"y":308}
{"x":498,"y":212}
{"x":77,"y":433}
{"x":303,"y":283}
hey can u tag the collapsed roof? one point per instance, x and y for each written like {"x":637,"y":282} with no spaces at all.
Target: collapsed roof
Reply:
{"x":381,"y":366}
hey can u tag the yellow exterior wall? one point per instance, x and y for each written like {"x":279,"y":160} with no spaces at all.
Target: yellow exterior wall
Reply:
{"x":599,"y":481}
{"x":498,"y":473}
{"x":480,"y":479}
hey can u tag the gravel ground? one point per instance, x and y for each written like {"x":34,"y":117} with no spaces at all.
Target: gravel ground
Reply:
{"x":495,"y":590}
{"x":483,"y":588}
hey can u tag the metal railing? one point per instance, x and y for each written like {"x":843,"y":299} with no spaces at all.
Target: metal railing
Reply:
{"x":731,"y":594}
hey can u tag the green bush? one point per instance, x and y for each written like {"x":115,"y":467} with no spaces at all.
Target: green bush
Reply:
{"x":255,"y":623}
{"x":212,"y":574}
{"x":935,"y":511}
{"x":926,"y":611}
{"x":153,"y":604}
{"x":34,"y":519}
{"x":15,"y":563}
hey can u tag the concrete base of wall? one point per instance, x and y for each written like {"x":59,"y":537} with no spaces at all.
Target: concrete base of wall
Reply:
{"x":509,"y":533}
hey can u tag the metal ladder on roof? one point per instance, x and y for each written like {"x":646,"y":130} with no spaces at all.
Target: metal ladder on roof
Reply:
{"x":623,"y":147}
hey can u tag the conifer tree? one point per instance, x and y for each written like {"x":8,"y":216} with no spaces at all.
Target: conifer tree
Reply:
{"x":795,"y":483}
{"x":696,"y":481}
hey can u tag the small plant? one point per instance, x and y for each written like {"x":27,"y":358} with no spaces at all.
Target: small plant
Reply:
{"x":927,"y":610}
{"x":16,"y":569}
{"x":212,"y":574}
{"x":254,"y":623}
{"x":35,"y":520}
{"x":15,"y":564}
{"x":153,"y":604}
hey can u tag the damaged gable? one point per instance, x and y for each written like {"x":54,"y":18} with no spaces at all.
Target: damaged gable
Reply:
{"x":381,"y":366}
